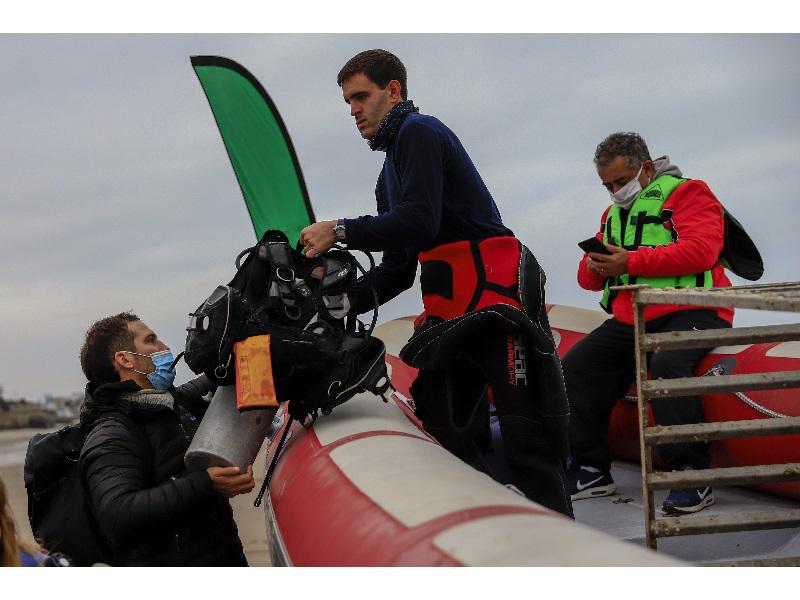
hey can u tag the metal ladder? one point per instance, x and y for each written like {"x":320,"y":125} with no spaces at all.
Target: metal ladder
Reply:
{"x":779,"y":297}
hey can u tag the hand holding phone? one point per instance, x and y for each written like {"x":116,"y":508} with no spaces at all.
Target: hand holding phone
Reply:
{"x":594,"y":245}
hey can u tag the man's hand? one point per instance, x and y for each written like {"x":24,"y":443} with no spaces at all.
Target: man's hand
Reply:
{"x":230,"y":481}
{"x":609,"y":265}
{"x":317,"y":238}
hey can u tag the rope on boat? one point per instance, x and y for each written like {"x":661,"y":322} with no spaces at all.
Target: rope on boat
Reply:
{"x":720,"y":370}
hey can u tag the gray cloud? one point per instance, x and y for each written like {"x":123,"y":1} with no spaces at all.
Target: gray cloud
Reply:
{"x":117,"y":192}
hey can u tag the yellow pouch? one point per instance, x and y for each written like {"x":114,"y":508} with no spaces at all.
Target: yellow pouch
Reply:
{"x":255,"y":387}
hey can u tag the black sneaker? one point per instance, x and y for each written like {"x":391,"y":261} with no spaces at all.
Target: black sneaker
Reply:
{"x":688,"y":500}
{"x":589,"y":482}
{"x":684,"y":502}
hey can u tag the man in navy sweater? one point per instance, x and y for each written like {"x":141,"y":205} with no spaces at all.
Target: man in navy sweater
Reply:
{"x":429,"y":196}
{"x":428,"y":193}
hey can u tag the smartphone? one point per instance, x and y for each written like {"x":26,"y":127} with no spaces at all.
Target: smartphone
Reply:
{"x":594,"y":245}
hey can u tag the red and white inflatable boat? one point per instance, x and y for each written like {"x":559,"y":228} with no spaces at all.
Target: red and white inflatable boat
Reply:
{"x":366,"y":486}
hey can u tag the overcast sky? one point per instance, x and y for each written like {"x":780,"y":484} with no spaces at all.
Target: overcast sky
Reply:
{"x":117,"y":193}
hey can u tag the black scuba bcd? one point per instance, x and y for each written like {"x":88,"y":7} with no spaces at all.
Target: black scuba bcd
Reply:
{"x":319,"y":360}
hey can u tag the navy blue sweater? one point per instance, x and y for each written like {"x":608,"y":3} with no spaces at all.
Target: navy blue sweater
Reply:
{"x":428,"y":193}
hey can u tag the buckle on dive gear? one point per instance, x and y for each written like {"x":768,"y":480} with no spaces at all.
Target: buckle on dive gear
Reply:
{"x":221,"y":371}
{"x":295,"y":314}
{"x":331,"y":389}
{"x":285,"y":278}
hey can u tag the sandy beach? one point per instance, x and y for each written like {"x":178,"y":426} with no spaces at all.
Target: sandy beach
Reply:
{"x":250,"y":520}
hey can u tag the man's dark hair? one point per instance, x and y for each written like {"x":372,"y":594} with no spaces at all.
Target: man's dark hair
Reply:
{"x":105,"y":338}
{"x":628,"y":145}
{"x":380,"y":67}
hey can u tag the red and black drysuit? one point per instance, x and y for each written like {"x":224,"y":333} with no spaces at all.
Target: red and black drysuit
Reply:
{"x":430,"y":196}
{"x":485,"y":325}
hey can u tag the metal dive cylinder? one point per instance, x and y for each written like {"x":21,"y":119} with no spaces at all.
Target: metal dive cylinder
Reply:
{"x":226,"y":437}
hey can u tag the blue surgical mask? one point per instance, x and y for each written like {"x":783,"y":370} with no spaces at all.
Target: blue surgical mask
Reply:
{"x":162,"y":377}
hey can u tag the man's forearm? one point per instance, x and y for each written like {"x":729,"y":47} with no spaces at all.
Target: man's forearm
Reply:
{"x":403,"y":227}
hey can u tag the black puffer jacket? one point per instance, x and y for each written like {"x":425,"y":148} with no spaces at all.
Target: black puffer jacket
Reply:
{"x":150,"y":510}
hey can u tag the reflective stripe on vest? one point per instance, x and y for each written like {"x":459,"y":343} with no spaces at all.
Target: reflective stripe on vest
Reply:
{"x":643,"y":225}
{"x":462,"y":277}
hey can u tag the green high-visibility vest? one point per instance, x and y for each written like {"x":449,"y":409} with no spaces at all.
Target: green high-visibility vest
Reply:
{"x":643,"y":225}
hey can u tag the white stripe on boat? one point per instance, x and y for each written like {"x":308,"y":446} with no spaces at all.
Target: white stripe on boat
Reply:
{"x":534,"y":540}
{"x":416,"y":481}
{"x":785,"y":350}
{"x":363,"y":413}
{"x":731,"y":349}
{"x":395,"y":334}
{"x":570,"y":318}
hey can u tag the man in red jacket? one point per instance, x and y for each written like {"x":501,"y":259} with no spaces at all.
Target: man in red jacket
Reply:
{"x":664,"y":231}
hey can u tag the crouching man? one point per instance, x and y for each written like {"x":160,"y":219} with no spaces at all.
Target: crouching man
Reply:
{"x":150,"y":511}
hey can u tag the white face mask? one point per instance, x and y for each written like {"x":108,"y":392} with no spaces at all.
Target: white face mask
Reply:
{"x":625,"y":195}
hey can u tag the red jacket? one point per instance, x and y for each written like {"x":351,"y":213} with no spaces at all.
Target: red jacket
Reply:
{"x":698,"y":221}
